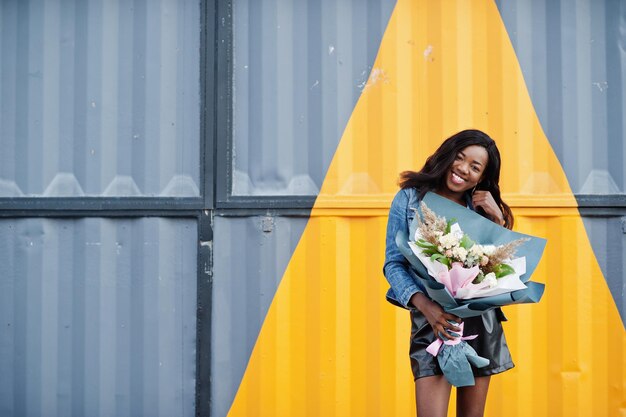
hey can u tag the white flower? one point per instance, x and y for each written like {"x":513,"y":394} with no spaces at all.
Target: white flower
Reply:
{"x":491,"y":279}
{"x":449,"y":240}
{"x":471,"y":260}
{"x":488,"y":249}
{"x":459,"y":253}
{"x":476,"y":250}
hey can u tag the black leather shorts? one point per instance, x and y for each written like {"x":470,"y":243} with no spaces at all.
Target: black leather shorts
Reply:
{"x":490,"y":344}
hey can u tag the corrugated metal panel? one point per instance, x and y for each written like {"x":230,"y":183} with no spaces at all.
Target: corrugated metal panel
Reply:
{"x":330,"y":343}
{"x":438,"y":82}
{"x":250,"y":257}
{"x":608,"y":237}
{"x":99,"y":98}
{"x":568,"y":348}
{"x":98,"y":317}
{"x":329,"y":332}
{"x":572,"y":57}
{"x":298,"y":69}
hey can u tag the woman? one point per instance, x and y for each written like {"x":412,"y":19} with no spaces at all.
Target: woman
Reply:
{"x":465,"y":169}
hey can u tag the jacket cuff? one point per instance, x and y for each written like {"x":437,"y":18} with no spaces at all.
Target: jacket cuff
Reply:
{"x":405,"y":298}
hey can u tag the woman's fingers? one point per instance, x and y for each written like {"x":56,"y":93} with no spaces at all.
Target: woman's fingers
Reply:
{"x":485,"y":200}
{"x":447,"y":327}
{"x":442,"y":333}
{"x":454,"y":319}
{"x":444,"y":325}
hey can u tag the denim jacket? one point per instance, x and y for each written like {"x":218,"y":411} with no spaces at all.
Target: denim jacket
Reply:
{"x":401,"y":277}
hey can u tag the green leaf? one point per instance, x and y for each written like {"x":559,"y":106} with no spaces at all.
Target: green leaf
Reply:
{"x":479,"y":278}
{"x":425,"y":244}
{"x":449,"y":225}
{"x":439,"y":257}
{"x":466,"y":242}
{"x":503,"y":270}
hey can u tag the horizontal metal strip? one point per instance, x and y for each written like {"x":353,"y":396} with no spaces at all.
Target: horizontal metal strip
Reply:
{"x":300,"y":206}
{"x":263,"y":211}
{"x":99,"y":213}
{"x":601,"y":200}
{"x":384,"y":200}
{"x":89,"y":204}
{"x":269,"y":202}
{"x":295,"y":212}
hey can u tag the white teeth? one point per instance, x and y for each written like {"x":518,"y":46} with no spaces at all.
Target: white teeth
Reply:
{"x":457,"y":178}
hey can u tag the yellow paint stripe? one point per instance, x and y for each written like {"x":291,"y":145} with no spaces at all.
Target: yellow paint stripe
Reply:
{"x":331,"y":345}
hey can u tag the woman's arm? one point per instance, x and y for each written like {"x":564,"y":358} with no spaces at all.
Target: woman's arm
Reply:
{"x":396,"y":265}
{"x":396,"y":271}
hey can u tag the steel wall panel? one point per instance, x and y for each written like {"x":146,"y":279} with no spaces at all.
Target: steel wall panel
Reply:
{"x":608,"y":236}
{"x":99,"y":98}
{"x":250,"y":257}
{"x":573,"y":61}
{"x":571,"y":55}
{"x":98,"y":317}
{"x":331,"y":345}
{"x":298,"y":69}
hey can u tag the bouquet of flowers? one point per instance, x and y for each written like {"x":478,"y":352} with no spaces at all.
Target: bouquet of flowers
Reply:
{"x":467,"y":269}
{"x":465,"y":277}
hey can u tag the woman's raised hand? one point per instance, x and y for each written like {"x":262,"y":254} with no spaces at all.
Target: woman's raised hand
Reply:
{"x":485,"y":200}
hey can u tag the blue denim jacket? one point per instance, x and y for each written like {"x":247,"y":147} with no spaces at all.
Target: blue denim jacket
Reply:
{"x":401,"y":277}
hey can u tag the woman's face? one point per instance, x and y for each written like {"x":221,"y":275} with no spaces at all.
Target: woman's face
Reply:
{"x":467,"y":169}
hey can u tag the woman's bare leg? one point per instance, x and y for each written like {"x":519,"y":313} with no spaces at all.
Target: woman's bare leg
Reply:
{"x":470,"y":401}
{"x":432,"y":394}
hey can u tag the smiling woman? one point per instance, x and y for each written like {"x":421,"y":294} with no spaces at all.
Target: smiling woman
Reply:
{"x":466,"y":170}
{"x":467,"y":164}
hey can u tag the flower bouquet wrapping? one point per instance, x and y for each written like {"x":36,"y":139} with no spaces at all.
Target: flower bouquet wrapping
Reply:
{"x":469,"y":265}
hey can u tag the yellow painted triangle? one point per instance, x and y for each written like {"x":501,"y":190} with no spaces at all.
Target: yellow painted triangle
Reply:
{"x":331,"y":345}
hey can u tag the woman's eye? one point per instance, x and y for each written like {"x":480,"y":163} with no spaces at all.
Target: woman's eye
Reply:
{"x":458,"y":157}
{"x":476,"y":169}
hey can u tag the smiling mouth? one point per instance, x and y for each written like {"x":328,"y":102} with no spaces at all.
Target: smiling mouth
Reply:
{"x":457,"y":180}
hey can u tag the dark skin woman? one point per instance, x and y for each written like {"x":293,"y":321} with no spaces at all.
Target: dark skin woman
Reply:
{"x":466,"y":167}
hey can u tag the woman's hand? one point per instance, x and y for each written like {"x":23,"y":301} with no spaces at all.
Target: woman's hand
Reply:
{"x":484,"y":200}
{"x":436,"y":316}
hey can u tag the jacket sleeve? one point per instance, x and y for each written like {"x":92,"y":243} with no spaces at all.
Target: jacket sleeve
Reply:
{"x":396,"y":268}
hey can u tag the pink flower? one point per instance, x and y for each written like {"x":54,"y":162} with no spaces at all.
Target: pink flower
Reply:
{"x":457,"y":277}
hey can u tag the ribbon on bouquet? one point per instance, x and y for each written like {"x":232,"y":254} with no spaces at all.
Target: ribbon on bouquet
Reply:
{"x":455,"y":356}
{"x":435,"y":346}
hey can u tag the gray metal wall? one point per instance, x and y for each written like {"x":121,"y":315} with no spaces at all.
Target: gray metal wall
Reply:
{"x":572,"y":57}
{"x":573,"y":61}
{"x":99,"y":97}
{"x":298,"y":69}
{"x":608,"y":234}
{"x":250,"y":258}
{"x":98,"y":317}
{"x":100,"y":101}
